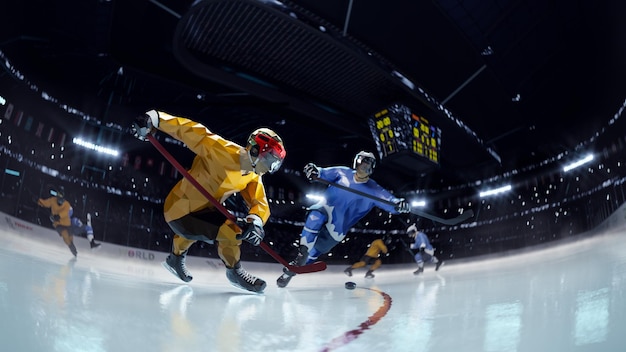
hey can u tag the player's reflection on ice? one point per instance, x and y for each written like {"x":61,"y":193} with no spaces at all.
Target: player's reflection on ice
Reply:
{"x":61,"y":299}
{"x":54,"y":288}
{"x":175,"y":302}
{"x":226,"y":320}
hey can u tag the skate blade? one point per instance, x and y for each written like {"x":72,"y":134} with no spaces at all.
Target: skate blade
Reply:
{"x":173,"y":271}
{"x":246,"y":290}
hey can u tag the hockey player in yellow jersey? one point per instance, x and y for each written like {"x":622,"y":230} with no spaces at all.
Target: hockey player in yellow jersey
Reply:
{"x":371,"y":257}
{"x":222,"y":168}
{"x":60,"y":215}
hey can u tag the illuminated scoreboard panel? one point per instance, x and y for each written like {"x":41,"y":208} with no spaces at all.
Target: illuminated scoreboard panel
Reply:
{"x":397,"y":129}
{"x":385,"y":134}
{"x":426,"y":139}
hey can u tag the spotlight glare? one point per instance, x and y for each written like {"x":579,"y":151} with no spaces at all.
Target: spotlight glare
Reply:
{"x":495,"y":191}
{"x":578,"y":163}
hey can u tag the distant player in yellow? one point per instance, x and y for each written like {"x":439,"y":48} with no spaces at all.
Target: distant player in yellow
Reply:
{"x":371,"y":257}
{"x":222,"y":168}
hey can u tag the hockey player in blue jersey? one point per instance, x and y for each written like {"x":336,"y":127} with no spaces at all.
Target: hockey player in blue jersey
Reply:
{"x":329,"y":220}
{"x":78,"y":228}
{"x":425,"y":251}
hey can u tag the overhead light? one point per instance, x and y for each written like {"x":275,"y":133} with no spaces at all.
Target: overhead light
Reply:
{"x":95,"y":147}
{"x":418,"y":203}
{"x":495,"y":191}
{"x":315,"y":197}
{"x":578,"y":163}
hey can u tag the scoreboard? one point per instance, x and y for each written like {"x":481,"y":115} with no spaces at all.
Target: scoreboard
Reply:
{"x":398,"y":130}
{"x":426,"y":138}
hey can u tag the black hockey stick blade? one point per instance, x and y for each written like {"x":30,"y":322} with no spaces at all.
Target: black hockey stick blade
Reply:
{"x":453,"y":221}
{"x":313,"y":267}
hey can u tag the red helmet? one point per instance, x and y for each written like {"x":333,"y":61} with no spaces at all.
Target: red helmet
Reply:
{"x":267,"y":147}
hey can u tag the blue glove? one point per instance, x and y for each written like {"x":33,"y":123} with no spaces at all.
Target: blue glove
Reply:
{"x":403,"y":207}
{"x":252,"y":230}
{"x":311,"y":171}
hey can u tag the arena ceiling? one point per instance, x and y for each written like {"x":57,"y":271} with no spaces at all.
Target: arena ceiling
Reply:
{"x":509,"y":83}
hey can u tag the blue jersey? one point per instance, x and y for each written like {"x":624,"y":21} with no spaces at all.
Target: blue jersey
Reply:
{"x":345,"y":208}
{"x":421,"y":240}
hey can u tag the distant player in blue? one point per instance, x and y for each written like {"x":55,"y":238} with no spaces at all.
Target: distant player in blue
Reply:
{"x":329,"y":220}
{"x":425,"y":251}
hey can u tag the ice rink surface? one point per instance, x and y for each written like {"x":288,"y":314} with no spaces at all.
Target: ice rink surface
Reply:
{"x":568,"y":297}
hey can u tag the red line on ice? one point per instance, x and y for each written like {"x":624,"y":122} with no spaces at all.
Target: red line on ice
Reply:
{"x":371,"y":320}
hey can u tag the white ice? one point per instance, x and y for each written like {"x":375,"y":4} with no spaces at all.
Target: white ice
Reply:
{"x":565,"y":297}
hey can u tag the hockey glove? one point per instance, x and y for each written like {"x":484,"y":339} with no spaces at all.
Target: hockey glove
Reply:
{"x":252,"y":230}
{"x":145,"y":124}
{"x":403,"y":207}
{"x":55,"y":217}
{"x":311,"y":171}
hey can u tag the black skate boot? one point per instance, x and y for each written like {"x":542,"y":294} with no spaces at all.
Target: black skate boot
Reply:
{"x":284,"y":279}
{"x":438,"y":265}
{"x":369,"y":274}
{"x":176,"y":265}
{"x":418,"y":271}
{"x":240,"y":278}
{"x":94,"y":244}
{"x":303,"y":254}
{"x":348,"y":271}
{"x":72,"y":248}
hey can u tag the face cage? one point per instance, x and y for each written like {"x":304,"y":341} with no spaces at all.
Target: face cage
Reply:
{"x":271,"y":161}
{"x":366,"y":159}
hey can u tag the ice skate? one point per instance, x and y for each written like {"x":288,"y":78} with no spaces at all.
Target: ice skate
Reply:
{"x":418,"y":271}
{"x":369,"y":274}
{"x":240,"y":278}
{"x":283,"y":280}
{"x":72,"y":248}
{"x":176,"y":265}
{"x":348,"y":271}
{"x":94,"y":244}
{"x":438,"y":265}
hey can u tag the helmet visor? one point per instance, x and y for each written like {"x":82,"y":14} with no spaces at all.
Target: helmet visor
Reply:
{"x":365,"y":164}
{"x":271,"y":152}
{"x":270,"y":160}
{"x":365,"y":159}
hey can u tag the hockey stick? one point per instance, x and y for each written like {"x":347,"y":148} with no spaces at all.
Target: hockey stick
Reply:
{"x":453,"y":221}
{"x":313,"y":267}
{"x":406,"y":246}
